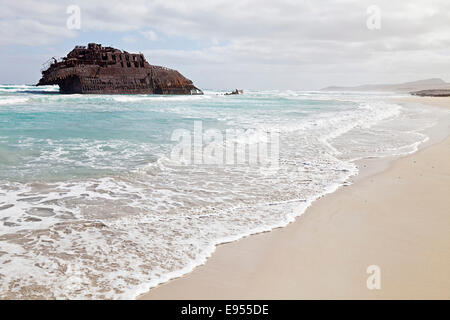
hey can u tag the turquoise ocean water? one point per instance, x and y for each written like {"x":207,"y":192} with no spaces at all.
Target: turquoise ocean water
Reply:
{"x":93,"y":205}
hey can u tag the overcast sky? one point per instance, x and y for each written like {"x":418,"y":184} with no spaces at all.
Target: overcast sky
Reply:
{"x":250,"y":44}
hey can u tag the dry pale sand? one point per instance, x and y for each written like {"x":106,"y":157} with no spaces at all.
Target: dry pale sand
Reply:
{"x":433,"y":101}
{"x":396,"y":216}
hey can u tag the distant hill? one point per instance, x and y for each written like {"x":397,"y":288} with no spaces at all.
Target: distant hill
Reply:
{"x":427,"y":84}
{"x":432,"y":93}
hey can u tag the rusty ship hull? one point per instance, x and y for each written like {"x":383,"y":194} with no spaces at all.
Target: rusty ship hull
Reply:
{"x":106,"y":70}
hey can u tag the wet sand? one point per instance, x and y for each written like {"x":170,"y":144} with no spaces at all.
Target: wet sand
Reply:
{"x":396,"y":215}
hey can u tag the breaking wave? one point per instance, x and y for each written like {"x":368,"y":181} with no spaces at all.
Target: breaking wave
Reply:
{"x":93,"y":206}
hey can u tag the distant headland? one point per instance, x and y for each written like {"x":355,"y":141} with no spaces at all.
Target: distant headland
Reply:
{"x":105,"y":70}
{"x":422,"y":87}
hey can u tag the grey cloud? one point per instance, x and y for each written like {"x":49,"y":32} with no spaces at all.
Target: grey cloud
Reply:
{"x":285,"y":37}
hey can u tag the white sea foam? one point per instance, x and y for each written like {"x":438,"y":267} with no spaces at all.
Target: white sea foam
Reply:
{"x":115,"y":235}
{"x":12,"y":100}
{"x":125,"y":98}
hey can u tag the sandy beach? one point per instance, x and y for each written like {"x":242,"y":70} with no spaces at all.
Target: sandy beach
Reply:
{"x":396,"y":215}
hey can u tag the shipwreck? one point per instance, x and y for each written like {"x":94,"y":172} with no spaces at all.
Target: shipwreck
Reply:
{"x":105,"y":70}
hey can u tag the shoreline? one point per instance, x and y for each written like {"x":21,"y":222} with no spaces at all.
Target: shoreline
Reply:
{"x":266,"y":265}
